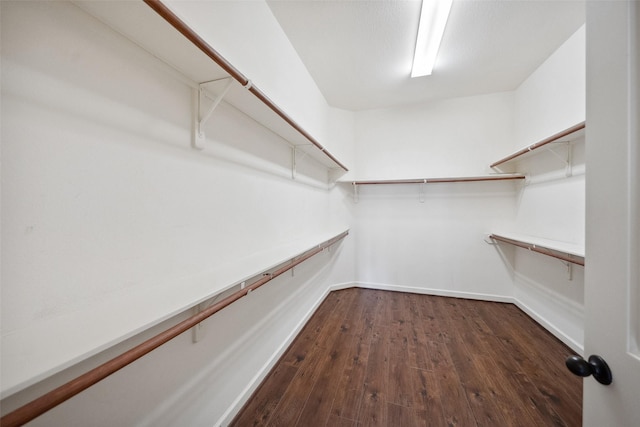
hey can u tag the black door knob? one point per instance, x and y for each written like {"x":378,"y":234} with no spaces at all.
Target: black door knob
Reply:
{"x":596,"y":366}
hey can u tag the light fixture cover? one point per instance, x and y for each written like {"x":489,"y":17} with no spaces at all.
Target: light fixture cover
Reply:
{"x":433,"y":20}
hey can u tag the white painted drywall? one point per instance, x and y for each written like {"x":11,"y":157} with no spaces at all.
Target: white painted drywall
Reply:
{"x":452,"y":137}
{"x":436,"y":246}
{"x":552,"y":98}
{"x":103,"y":199}
{"x":552,"y":205}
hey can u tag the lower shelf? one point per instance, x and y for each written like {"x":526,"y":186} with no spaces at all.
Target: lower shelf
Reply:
{"x":34,"y":353}
{"x":563,"y":251}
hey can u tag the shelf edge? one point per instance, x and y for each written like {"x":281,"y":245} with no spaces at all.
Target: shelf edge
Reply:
{"x":543,"y":249}
{"x":553,"y":138}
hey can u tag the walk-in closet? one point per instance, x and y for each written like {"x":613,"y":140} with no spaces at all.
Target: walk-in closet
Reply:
{"x":248,"y":212}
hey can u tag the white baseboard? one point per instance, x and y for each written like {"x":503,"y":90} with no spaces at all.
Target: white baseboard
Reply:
{"x":568,"y":305}
{"x":549,"y":326}
{"x":539,"y":295}
{"x":431,"y":291}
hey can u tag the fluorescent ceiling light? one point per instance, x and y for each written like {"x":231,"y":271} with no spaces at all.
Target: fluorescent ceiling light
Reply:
{"x":433,"y":20}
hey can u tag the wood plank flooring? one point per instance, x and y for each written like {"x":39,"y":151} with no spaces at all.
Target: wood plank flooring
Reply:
{"x":379,"y":358}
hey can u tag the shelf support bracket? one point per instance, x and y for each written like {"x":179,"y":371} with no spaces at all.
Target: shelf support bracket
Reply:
{"x":356,"y":197}
{"x":196,"y":331}
{"x":421,"y":195}
{"x":488,"y":240}
{"x":569,"y":171}
{"x":569,"y":270}
{"x":203,"y":116}
{"x":294,"y":166}
{"x":567,"y":159}
{"x":294,"y":161}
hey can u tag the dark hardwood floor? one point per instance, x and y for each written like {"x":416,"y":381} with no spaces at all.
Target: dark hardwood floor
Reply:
{"x":370,"y":357}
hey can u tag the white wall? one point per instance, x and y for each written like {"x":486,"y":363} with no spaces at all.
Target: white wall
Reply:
{"x":451,"y":137}
{"x":103,"y":199}
{"x":552,"y":205}
{"x":436,"y":246}
{"x":247,"y":34}
{"x":552,"y":98}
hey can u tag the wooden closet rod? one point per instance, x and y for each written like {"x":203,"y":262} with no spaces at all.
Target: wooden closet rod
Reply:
{"x":539,"y":249}
{"x":498,"y":177}
{"x":66,"y":391}
{"x":475,"y":178}
{"x":194,"y":38}
{"x":391,"y":181}
{"x":552,"y":138}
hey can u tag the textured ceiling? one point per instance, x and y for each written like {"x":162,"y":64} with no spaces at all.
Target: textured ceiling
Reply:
{"x":359,"y":52}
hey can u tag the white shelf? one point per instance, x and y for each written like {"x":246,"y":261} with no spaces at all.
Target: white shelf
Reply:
{"x":570,"y":134}
{"x":570,"y":249}
{"x":568,"y":252}
{"x":147,"y":29}
{"x":45,"y":348}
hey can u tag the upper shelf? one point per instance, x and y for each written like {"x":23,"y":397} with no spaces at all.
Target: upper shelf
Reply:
{"x":155,"y":28}
{"x":567,"y":135}
{"x":494,"y":177}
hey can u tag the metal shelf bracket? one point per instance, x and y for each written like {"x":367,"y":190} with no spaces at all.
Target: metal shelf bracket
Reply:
{"x":196,"y":331}
{"x":569,"y":270}
{"x":294,"y":161}
{"x":488,"y":240}
{"x":567,"y":158}
{"x":202,"y":116}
